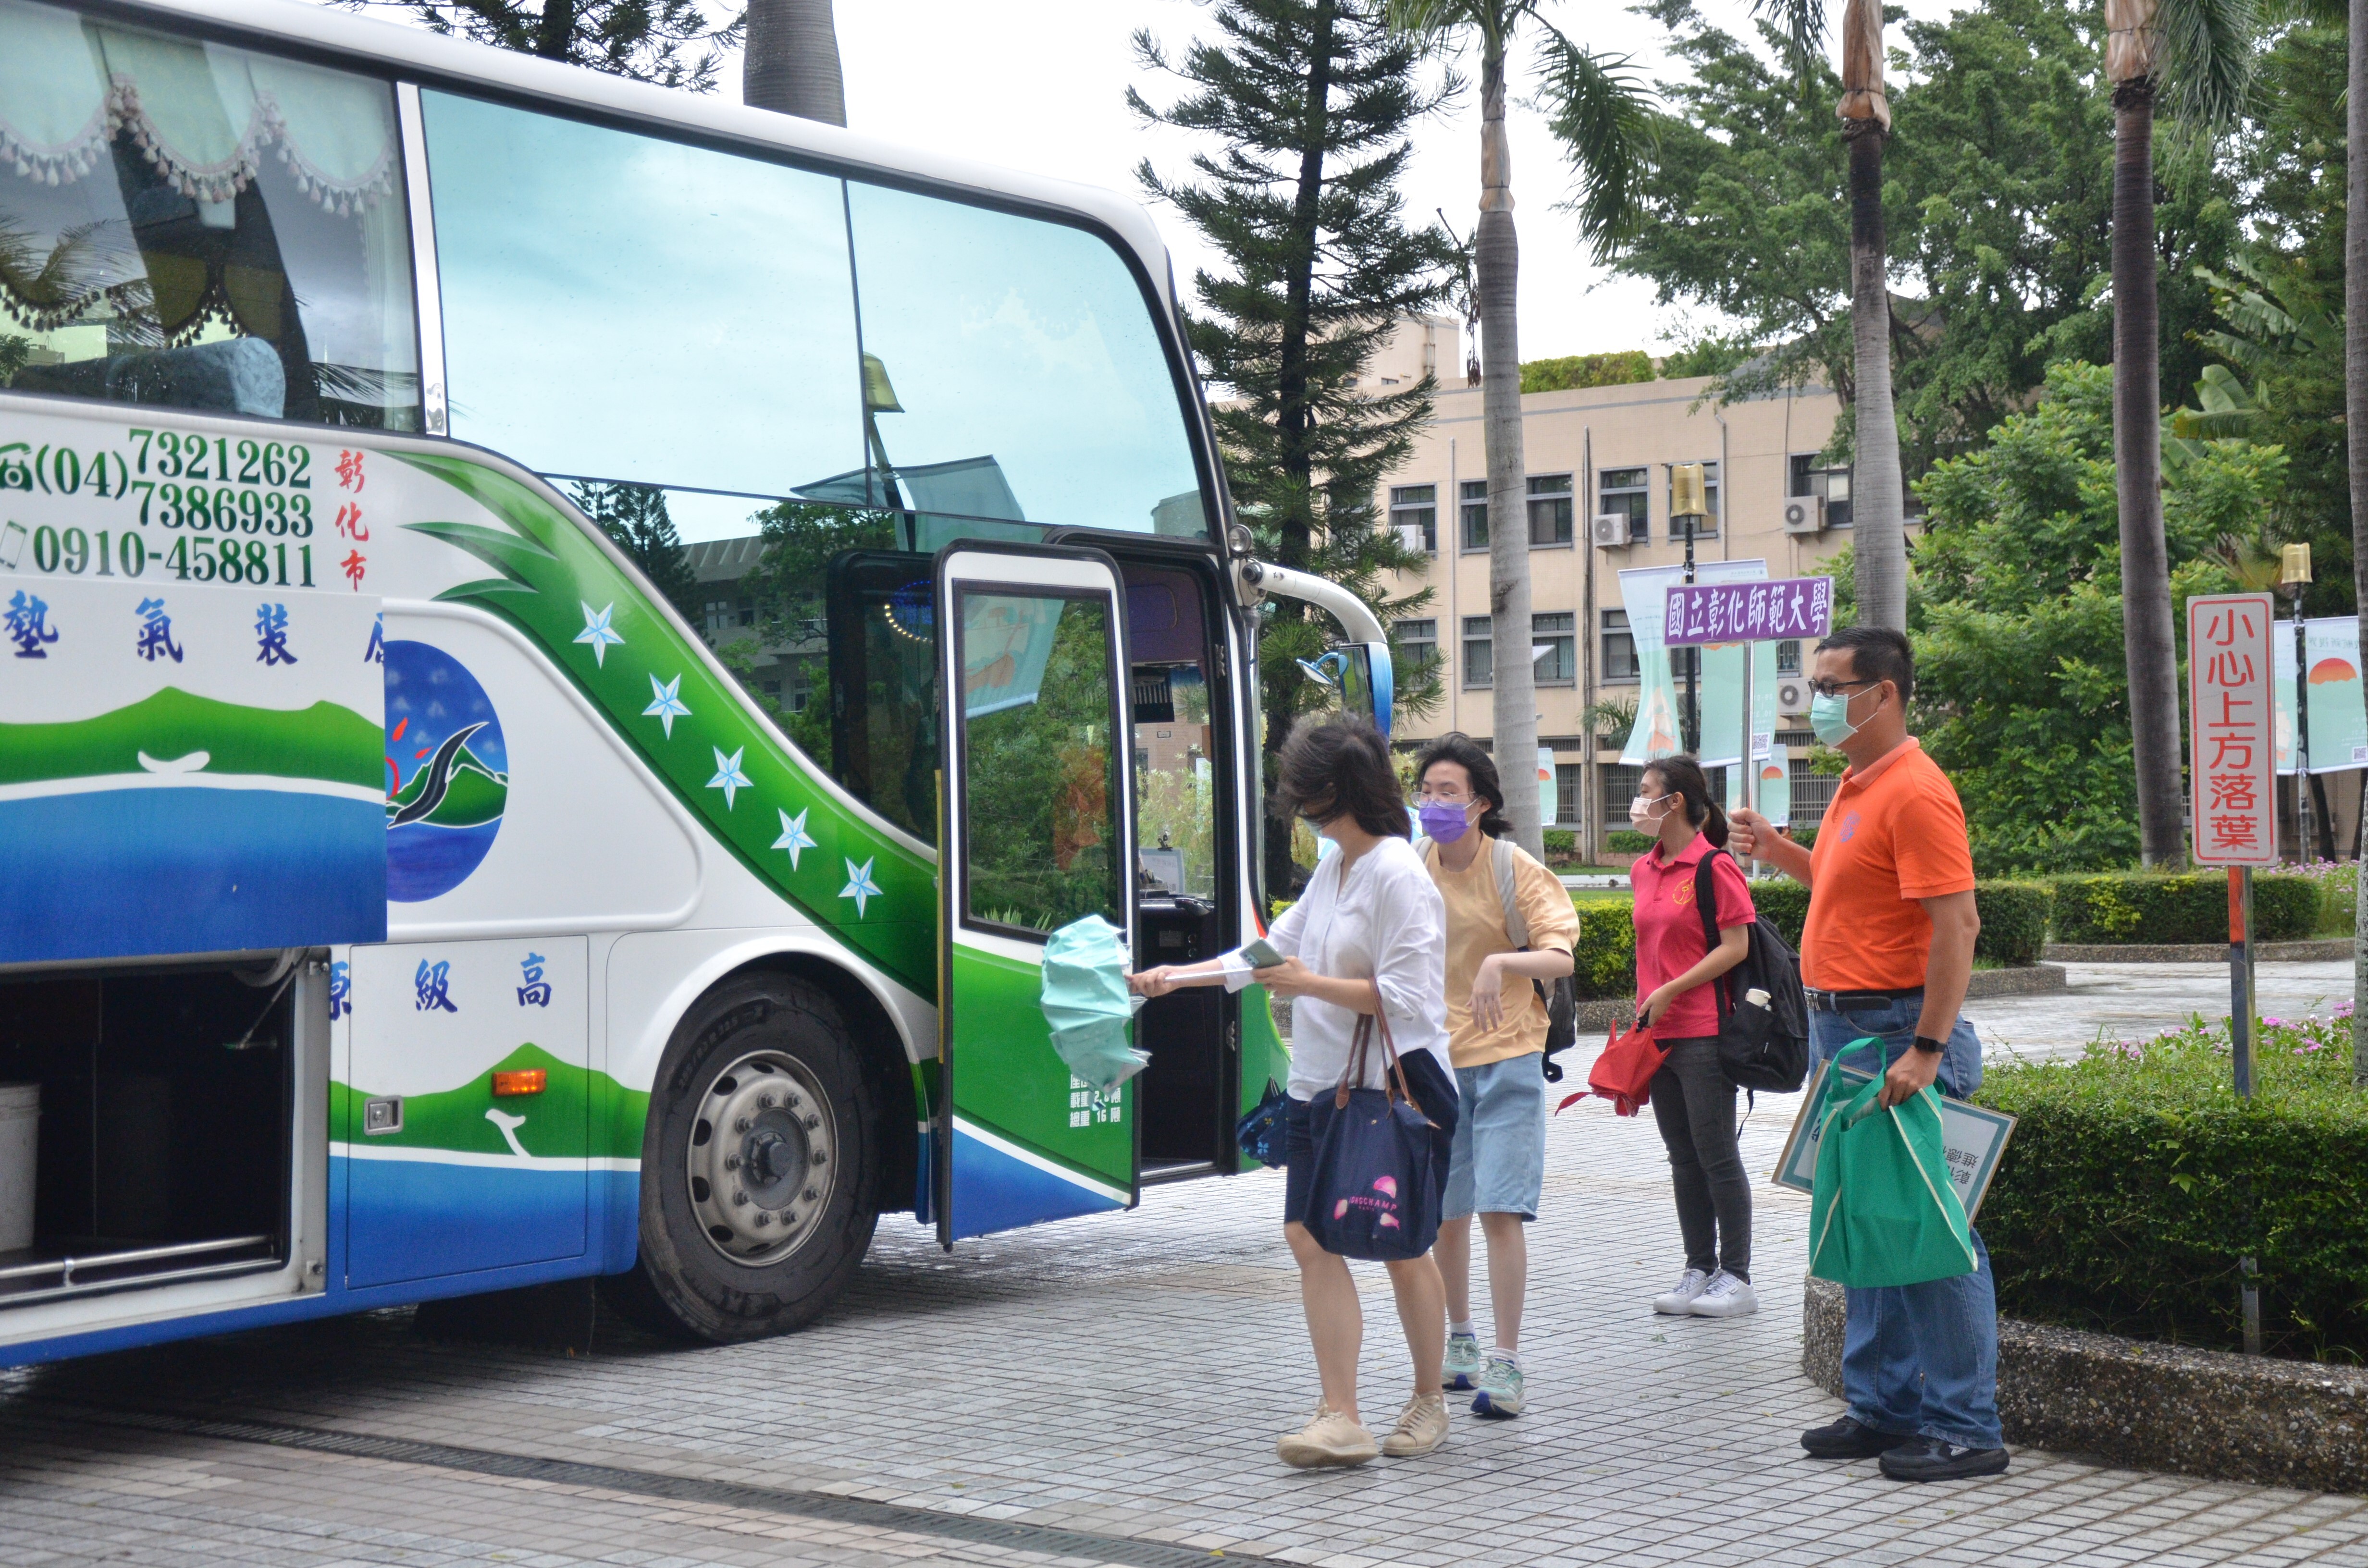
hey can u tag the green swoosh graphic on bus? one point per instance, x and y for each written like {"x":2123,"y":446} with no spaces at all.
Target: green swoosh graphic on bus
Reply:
{"x":758,"y":797}
{"x":581,"y":1114}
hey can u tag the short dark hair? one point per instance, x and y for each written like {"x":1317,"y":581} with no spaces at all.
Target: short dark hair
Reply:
{"x":1876,"y":652}
{"x":1467,"y":754}
{"x":1333,"y":765}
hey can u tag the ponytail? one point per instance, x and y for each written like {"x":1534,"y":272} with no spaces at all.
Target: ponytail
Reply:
{"x":1682,"y":775}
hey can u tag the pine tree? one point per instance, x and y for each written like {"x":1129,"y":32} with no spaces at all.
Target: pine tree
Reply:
{"x":1308,"y":103}
{"x":635,"y":517}
{"x":675,"y":43}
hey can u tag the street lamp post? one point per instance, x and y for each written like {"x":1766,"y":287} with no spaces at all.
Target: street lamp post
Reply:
{"x":1689,"y":502}
{"x":2293,"y":575}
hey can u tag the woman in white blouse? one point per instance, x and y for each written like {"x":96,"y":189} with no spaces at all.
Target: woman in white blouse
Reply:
{"x":1370,"y":916}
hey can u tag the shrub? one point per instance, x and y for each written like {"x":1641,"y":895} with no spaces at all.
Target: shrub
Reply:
{"x":2147,"y":907}
{"x":1561,"y":843}
{"x":1806,"y":837}
{"x":2135,"y":1180}
{"x":1605,"y":963}
{"x":1628,"y":841}
{"x":2338,"y":894}
{"x":2014,"y":916}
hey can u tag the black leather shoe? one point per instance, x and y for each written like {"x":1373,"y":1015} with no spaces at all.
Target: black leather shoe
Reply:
{"x":1850,"y":1439}
{"x":1923,"y":1458}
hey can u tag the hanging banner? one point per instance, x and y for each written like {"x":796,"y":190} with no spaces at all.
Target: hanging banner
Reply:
{"x":1644,"y":591}
{"x":2338,"y":716}
{"x":1547,"y":804}
{"x":1775,"y":800}
{"x":1709,"y":610}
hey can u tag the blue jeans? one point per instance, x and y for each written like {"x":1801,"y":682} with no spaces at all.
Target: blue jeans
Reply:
{"x":1920,"y":1359}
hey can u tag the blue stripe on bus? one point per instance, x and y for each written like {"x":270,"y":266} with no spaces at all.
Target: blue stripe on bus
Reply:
{"x":994,"y":1191}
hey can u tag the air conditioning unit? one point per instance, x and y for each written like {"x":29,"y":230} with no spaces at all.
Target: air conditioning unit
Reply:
{"x":1792,"y":696}
{"x":1410,"y":537}
{"x":1805,"y":513}
{"x":1612,"y":530}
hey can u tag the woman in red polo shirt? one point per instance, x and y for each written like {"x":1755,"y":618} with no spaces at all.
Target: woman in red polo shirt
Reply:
{"x":1694,"y":1101}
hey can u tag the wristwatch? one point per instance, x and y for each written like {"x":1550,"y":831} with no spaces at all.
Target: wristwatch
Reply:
{"x":1929,"y":1046}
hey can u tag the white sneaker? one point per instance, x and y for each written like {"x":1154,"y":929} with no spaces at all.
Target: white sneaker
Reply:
{"x":1677,"y":1303}
{"x":1724,"y":1296}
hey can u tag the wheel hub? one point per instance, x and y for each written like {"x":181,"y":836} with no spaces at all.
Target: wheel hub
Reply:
{"x":763,"y":1158}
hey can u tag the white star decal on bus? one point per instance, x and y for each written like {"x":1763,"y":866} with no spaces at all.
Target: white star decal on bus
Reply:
{"x":597,"y":633}
{"x":664,"y":704}
{"x":728,"y":777}
{"x":860,"y":885}
{"x":794,"y":837}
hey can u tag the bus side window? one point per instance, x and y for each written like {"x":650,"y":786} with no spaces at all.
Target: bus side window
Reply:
{"x":626,"y":308}
{"x":1015,"y":371}
{"x":194,"y":225}
{"x":883,"y":710}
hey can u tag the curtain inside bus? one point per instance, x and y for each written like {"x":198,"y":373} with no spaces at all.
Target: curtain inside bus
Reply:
{"x":187,"y":223}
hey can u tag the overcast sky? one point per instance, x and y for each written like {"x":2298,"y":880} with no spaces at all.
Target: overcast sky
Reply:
{"x":1049,"y":95}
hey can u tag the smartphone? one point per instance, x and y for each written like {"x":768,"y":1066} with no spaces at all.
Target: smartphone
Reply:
{"x":1261,"y":953}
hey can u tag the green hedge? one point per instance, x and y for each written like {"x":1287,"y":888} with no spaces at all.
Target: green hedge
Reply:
{"x":1561,"y":843}
{"x":2135,"y":1180}
{"x":1605,"y":963}
{"x":1628,"y":841}
{"x":2014,"y":916}
{"x":2146,"y":908}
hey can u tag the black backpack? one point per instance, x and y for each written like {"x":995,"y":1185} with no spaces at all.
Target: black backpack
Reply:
{"x":1762,"y":1044}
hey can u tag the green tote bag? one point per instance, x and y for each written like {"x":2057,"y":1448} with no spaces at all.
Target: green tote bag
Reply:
{"x":1883,"y":1211}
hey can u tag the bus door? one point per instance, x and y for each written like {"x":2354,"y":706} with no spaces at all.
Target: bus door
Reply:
{"x":1036,"y":830}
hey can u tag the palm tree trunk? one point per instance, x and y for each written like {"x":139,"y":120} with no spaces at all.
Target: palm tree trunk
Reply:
{"x":791,"y":65}
{"x":1877,"y":503}
{"x":2355,"y":418}
{"x":2137,"y":465}
{"x":1496,"y":263}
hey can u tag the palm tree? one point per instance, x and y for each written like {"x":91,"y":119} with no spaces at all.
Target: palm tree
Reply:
{"x":792,"y":67}
{"x":1876,"y":486}
{"x":1599,"y":97}
{"x":2205,"y":47}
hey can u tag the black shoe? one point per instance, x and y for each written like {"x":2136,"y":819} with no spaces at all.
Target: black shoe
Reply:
{"x":1850,"y":1439}
{"x":1923,"y":1459}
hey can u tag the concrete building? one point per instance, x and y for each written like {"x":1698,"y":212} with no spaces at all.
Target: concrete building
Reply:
{"x":1598,"y":463}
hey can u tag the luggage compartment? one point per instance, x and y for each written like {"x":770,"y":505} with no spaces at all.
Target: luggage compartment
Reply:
{"x":163,"y":1147}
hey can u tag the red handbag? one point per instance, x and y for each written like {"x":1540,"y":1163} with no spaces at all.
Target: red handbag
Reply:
{"x":1624,"y":1074}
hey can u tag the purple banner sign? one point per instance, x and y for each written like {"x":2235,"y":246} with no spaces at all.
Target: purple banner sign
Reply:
{"x":1749,"y":612}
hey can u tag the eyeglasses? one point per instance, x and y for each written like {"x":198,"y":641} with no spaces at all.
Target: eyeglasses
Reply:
{"x":1835,"y":687}
{"x":1442,"y":798}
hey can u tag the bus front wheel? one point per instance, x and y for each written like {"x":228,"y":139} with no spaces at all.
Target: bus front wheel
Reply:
{"x":759,"y":1166}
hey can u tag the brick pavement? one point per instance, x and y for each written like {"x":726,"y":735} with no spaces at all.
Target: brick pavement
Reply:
{"x":1125,"y":1376}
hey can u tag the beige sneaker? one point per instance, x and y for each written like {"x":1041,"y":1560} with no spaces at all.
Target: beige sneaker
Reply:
{"x":1422,"y":1427}
{"x":1328,"y":1438}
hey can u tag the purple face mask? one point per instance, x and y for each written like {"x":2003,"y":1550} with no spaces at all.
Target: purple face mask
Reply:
{"x":1442,"y":823}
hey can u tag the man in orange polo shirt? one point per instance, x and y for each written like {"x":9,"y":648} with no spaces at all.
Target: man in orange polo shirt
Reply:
{"x":1887,"y":952}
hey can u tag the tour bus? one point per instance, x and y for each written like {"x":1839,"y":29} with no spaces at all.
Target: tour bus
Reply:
{"x":399,"y":899}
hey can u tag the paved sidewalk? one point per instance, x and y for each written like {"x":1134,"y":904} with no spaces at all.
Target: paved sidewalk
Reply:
{"x":1125,"y":1376}
{"x":2131,"y":1001}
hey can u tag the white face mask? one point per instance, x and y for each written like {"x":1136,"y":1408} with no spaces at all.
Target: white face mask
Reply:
{"x":1641,"y":816}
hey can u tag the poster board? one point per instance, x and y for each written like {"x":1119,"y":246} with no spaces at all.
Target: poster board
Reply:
{"x":1972,"y":1138}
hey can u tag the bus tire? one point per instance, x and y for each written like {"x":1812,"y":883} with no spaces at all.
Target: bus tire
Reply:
{"x":761,"y":1166}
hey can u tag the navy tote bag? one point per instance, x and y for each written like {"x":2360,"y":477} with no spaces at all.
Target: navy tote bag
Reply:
{"x":1376,"y":1187}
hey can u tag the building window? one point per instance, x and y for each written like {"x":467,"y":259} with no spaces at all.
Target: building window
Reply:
{"x":1479,"y":653}
{"x":1554,"y":641}
{"x":1414,"y":514}
{"x":1621,"y":783}
{"x":1625,"y":491}
{"x":1788,"y":657}
{"x":1418,"y":645}
{"x":1550,"y":508}
{"x":1475,"y":514}
{"x":1569,"y":780}
{"x":1833,"y":485}
{"x":747,"y":612}
{"x":1619,"y":648}
{"x":1704,"y":527}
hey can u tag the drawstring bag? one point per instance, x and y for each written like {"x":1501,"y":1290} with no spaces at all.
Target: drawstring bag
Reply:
{"x":1087,"y":1002}
{"x":1883,"y":1211}
{"x":1375,"y":1190}
{"x":1260,"y":1133}
{"x":1624,"y":1074}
